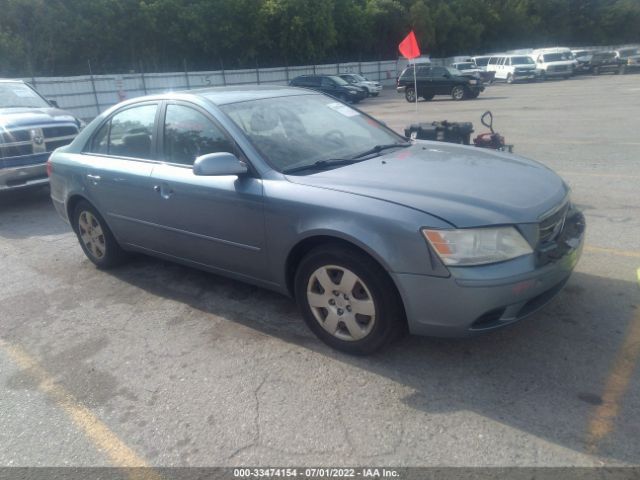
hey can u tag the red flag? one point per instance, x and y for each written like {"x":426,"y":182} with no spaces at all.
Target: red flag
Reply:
{"x":409,"y":46}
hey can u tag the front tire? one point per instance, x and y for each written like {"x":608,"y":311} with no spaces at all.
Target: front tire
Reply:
{"x":509,"y":78}
{"x":457,"y":93}
{"x":95,"y":237}
{"x":347,"y":299}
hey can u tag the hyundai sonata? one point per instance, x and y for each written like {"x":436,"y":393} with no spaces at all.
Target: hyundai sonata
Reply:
{"x":294,"y":191}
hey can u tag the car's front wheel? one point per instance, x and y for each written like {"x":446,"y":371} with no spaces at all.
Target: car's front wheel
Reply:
{"x":95,"y":237}
{"x":347,"y":299}
{"x":457,"y":92}
{"x":410,"y":94}
{"x":509,"y":78}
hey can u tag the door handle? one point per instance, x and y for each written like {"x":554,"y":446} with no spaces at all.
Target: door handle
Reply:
{"x":164,"y":190}
{"x":94,"y":179}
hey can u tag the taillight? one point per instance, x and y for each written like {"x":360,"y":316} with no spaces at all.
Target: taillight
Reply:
{"x":49,"y":168}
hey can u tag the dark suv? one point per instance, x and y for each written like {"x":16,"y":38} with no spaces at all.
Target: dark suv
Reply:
{"x":432,"y":81}
{"x":602,"y":62}
{"x":331,"y":85}
{"x":31,"y":127}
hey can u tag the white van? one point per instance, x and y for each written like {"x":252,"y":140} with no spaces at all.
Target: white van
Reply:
{"x":554,"y":62}
{"x":512,"y":68}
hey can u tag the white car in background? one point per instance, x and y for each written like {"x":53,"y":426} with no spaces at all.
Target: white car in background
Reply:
{"x":512,"y":68}
{"x":372,"y":88}
{"x":554,"y":62}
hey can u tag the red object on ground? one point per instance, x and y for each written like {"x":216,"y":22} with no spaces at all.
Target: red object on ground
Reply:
{"x":409,"y":46}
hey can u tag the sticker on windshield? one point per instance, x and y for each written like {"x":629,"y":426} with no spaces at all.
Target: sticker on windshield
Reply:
{"x":343,"y":109}
{"x":23,"y":92}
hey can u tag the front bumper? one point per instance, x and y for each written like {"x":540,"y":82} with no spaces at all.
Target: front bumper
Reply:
{"x":525,"y":75}
{"x":482,"y":298}
{"x":25,"y":176}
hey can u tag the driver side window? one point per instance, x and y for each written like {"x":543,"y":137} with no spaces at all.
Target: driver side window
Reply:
{"x":189,"y":134}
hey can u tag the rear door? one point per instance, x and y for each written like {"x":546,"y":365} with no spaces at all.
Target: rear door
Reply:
{"x":217,"y":221}
{"x":119,"y":160}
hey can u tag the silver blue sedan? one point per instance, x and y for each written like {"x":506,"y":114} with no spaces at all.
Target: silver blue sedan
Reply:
{"x":297,"y":192}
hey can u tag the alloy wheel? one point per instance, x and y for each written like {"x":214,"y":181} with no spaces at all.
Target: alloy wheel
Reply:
{"x":341,"y":302}
{"x":92,"y":235}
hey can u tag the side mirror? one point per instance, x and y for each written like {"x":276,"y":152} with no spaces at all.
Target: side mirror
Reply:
{"x":218,"y":164}
{"x":53,"y":103}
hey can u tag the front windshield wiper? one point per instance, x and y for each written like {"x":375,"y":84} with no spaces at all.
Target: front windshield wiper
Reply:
{"x":336,"y":162}
{"x":320,"y":164}
{"x":379,"y":148}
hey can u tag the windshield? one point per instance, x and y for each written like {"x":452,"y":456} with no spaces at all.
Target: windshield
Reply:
{"x":557,"y":57}
{"x":338,"y":80}
{"x":19,"y":95}
{"x":301,"y":130}
{"x":464,"y":66}
{"x":453,"y":71}
{"x":522,"y":61}
{"x":628,"y":52}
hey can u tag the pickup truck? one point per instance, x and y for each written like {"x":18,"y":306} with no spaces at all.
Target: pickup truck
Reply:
{"x":31,"y":127}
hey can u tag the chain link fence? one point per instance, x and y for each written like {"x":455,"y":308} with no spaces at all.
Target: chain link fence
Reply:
{"x":88,"y":95}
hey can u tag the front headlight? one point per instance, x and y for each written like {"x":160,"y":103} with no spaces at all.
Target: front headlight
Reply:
{"x":473,"y":82}
{"x":477,"y":246}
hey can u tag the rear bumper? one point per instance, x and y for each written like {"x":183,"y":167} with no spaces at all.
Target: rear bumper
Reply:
{"x":478,"y":299}
{"x":22,"y":177}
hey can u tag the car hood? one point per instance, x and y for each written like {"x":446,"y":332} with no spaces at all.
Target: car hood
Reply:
{"x":26,"y":117}
{"x":465,"y":186}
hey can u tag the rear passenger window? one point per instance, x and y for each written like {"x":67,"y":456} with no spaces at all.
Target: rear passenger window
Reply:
{"x":128,"y":133}
{"x":189,"y":134}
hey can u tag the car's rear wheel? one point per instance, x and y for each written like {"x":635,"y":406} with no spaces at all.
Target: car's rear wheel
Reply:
{"x":410,"y":94}
{"x":95,"y":237}
{"x":347,"y":299}
{"x":457,"y":92}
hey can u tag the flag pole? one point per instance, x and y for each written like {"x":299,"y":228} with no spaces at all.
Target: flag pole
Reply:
{"x":415,"y":84}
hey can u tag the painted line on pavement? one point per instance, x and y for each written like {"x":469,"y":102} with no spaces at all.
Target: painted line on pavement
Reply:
{"x":96,"y":431}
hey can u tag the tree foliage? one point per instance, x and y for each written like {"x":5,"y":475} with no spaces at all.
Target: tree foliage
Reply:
{"x":61,"y":37}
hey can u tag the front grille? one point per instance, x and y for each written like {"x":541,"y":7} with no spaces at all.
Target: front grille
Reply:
{"x":551,"y":225}
{"x":51,"y":146}
{"x":63,"y":131}
{"x":34,"y":140}
{"x":13,"y":136}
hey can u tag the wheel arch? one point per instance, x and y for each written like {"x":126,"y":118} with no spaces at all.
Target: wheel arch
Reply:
{"x":305,"y":245}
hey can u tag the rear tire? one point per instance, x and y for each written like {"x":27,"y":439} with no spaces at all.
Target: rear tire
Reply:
{"x":358,"y":313}
{"x":95,"y":237}
{"x":410,"y":94}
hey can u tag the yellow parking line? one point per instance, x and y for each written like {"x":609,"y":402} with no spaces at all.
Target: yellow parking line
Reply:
{"x":97,"y":432}
{"x":602,"y":175}
{"x":601,"y":423}
{"x":612,"y":251}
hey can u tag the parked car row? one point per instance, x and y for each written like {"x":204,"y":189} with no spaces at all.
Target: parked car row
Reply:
{"x":348,"y":87}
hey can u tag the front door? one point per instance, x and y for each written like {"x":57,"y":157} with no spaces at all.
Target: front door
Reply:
{"x":215,"y":221}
